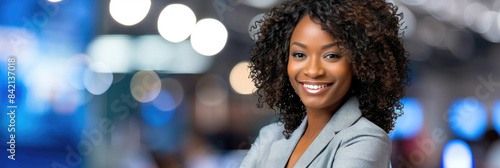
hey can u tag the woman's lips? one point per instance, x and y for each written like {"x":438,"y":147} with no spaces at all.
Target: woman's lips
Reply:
{"x":315,"y":88}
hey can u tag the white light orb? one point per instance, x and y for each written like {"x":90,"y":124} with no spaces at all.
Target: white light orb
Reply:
{"x":457,"y":154}
{"x":129,"y":12}
{"x":471,"y":14}
{"x":97,"y":78}
{"x":176,"y":22}
{"x":209,"y":37}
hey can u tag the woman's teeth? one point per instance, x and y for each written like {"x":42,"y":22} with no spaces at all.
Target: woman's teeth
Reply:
{"x":314,"y":87}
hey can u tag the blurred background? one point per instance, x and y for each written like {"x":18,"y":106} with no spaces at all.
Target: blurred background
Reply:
{"x":164,"y":83}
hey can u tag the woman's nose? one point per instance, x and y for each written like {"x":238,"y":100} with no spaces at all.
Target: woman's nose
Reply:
{"x":314,"y":68}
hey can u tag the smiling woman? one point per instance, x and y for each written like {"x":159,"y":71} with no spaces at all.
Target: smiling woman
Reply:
{"x":334,"y":72}
{"x":316,"y":70}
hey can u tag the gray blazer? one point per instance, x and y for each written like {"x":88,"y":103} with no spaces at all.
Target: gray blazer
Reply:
{"x":347,"y":140}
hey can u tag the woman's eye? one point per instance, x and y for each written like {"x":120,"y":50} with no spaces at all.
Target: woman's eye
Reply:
{"x":332,"y":56}
{"x":298,"y":55}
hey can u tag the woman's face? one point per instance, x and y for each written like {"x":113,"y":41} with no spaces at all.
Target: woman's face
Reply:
{"x":319,"y":74}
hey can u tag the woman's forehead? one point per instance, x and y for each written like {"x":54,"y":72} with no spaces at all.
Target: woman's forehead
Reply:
{"x":310,"y":32}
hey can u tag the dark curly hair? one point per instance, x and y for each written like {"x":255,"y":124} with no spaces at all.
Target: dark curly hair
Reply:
{"x":367,"y":31}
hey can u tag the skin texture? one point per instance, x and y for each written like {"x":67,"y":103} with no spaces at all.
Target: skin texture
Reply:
{"x":367,"y":34}
{"x":315,"y":57}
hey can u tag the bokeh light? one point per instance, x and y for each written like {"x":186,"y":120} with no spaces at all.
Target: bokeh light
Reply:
{"x":211,"y":117}
{"x":158,"y":116}
{"x":471,"y":14}
{"x":212,"y":106}
{"x":211,"y":90}
{"x":176,"y":22}
{"x":410,"y":123}
{"x":468,"y":118}
{"x":164,"y":101}
{"x":97,"y":78}
{"x":485,"y":21}
{"x":145,"y":86}
{"x":129,"y":12}
{"x":209,"y":37}
{"x":409,"y":21}
{"x":493,"y":32}
{"x":240,"y":80}
{"x":498,"y":20}
{"x":457,"y":154}
{"x":432,"y":32}
{"x":175,"y":89}
{"x":254,"y":27}
{"x":262,"y":4}
{"x":445,"y":10}
{"x":496,"y":116}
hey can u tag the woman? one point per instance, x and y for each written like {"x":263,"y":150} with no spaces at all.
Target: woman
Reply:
{"x":334,"y":71}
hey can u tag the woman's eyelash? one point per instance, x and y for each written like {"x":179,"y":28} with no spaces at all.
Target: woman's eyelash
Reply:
{"x":298,"y":55}
{"x":332,"y":56}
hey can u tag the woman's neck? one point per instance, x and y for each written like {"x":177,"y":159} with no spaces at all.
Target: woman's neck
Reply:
{"x":318,"y":118}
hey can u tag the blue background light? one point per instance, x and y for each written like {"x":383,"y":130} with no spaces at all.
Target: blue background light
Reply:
{"x":154,"y":115}
{"x":410,"y":123}
{"x":468,"y":118}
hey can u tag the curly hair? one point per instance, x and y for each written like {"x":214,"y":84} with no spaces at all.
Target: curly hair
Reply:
{"x":366,"y":30}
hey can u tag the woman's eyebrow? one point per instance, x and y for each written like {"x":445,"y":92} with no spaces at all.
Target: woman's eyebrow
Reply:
{"x":300,"y":44}
{"x":329,"y":45}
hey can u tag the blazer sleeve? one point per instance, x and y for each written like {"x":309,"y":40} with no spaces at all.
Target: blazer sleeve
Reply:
{"x":258,"y":149}
{"x":367,"y":147}
{"x":251,"y":158}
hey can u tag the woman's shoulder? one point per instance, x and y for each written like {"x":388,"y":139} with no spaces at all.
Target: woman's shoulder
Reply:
{"x":363,"y":144}
{"x":259,"y":151}
{"x":272,"y":132}
{"x":364,"y":128}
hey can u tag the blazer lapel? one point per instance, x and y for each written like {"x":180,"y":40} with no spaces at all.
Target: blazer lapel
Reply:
{"x":283,"y":148}
{"x":345,"y":116}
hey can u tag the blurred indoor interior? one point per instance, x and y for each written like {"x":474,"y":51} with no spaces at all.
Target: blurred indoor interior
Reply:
{"x":164,"y":83}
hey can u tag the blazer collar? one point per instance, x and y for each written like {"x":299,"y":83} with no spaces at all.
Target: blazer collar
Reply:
{"x":281,"y":150}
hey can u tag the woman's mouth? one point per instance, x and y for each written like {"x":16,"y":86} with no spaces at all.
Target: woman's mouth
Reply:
{"x":315,"y":88}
